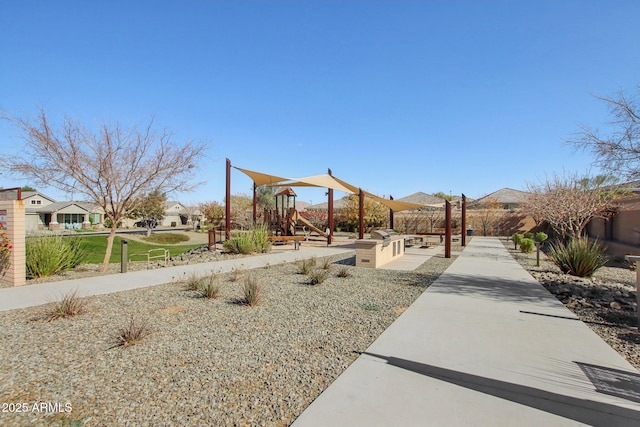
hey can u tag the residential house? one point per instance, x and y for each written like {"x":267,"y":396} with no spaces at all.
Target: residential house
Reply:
{"x":43,"y":212}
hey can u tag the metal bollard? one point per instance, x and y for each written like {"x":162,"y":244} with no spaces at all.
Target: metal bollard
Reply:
{"x":123,"y":256}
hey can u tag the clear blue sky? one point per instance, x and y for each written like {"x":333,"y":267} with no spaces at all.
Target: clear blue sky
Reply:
{"x":393,"y":96}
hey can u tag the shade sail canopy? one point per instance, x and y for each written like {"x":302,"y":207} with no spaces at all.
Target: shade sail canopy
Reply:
{"x":262,"y":178}
{"x":324,"y":181}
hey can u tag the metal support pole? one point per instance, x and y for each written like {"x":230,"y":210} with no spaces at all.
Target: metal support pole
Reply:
{"x":255,"y":202}
{"x":447,"y":237}
{"x":330,"y":209}
{"x":463,"y":225}
{"x":123,"y":256}
{"x":360,"y":213}
{"x":227,"y":212}
{"x":391,"y":215}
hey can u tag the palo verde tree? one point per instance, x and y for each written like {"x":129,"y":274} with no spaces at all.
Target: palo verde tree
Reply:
{"x":567,"y":203}
{"x":111,"y":165}
{"x":616,"y":151}
{"x":149,"y":209}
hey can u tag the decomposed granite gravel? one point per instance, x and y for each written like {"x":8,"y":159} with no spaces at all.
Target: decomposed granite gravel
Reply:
{"x":206,"y":361}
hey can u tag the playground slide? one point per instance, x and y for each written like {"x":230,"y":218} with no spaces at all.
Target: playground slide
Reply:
{"x":310,"y":226}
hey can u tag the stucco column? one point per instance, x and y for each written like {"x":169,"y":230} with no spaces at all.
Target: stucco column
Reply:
{"x":15,"y":230}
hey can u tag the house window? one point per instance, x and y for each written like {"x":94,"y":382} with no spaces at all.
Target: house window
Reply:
{"x":36,"y":202}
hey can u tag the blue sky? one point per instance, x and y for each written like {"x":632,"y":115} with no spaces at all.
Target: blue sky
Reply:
{"x":393,"y":96}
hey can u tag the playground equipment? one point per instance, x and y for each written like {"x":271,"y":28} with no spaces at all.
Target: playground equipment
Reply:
{"x":285,"y":220}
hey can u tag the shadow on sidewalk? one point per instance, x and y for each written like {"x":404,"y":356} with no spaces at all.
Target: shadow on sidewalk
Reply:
{"x":581,"y":410}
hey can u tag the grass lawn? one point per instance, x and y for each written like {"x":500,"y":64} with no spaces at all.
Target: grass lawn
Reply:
{"x":96,"y":246}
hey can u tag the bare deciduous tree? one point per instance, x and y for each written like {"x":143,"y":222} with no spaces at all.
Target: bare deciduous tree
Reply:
{"x":110,"y":166}
{"x":619,"y":150}
{"x":568,"y":203}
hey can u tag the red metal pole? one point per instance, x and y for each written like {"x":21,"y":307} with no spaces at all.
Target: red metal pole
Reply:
{"x":255,"y":197}
{"x":447,"y":237}
{"x":463,"y":224}
{"x":330,"y":208}
{"x":360,"y":213}
{"x":227,"y":223}
{"x":391,"y":215}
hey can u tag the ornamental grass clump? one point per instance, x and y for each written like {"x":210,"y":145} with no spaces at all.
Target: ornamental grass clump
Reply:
{"x":578,"y":257}
{"x":250,"y":241}
{"x":306,"y":265}
{"x":208,"y":288}
{"x":343,"y":272}
{"x":131,"y":333}
{"x":48,"y":255}
{"x":71,"y":304}
{"x":316,"y":277}
{"x":252,"y":292}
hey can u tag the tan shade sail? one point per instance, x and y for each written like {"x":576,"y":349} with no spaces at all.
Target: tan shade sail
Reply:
{"x":324,"y":181}
{"x":262,"y":178}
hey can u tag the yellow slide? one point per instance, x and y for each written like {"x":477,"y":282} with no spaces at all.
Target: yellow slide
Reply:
{"x":301,"y":219}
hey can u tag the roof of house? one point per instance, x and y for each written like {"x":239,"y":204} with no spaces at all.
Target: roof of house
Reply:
{"x":423,"y":199}
{"x":504,"y":195}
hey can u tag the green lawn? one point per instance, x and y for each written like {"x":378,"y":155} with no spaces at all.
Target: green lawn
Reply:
{"x":96,"y":246}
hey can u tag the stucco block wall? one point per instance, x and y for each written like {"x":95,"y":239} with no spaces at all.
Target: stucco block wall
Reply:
{"x":372,"y":254}
{"x":15,"y":275}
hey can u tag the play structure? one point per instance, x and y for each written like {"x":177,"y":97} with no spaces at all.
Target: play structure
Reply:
{"x":285,"y":220}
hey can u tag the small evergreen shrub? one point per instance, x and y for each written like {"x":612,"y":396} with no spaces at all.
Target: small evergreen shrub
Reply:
{"x":578,"y":257}
{"x":46,"y":256}
{"x":528,"y":236}
{"x":541,"y":237}
{"x":527,"y":245}
{"x":517,"y":238}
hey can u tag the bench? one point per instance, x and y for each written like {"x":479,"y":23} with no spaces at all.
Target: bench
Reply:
{"x":285,"y":239}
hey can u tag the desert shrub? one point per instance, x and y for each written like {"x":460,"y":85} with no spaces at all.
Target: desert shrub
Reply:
{"x":343,"y":272}
{"x":69,"y":305}
{"x":316,"y":277}
{"x":260,"y":238}
{"x":326,"y":264}
{"x":541,"y":237}
{"x":236,"y":274}
{"x":517,"y":238}
{"x":46,"y":256}
{"x":527,"y":245}
{"x":131,"y":333}
{"x":252,"y":292}
{"x":192,"y":282}
{"x":528,"y":235}
{"x":578,"y":257}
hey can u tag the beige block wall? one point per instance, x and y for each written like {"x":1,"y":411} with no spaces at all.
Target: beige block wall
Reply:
{"x":15,"y":275}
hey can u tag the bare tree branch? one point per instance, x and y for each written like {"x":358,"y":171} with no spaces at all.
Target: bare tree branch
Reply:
{"x":110,"y":167}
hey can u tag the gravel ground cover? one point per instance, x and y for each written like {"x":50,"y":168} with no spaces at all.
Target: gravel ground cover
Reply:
{"x":206,"y":361}
{"x":606,"y":302}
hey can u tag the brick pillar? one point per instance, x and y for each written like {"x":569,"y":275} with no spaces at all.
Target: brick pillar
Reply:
{"x":15,"y":229}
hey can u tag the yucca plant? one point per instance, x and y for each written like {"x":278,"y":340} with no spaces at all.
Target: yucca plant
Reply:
{"x":71,"y":304}
{"x":48,"y":255}
{"x":578,"y":257}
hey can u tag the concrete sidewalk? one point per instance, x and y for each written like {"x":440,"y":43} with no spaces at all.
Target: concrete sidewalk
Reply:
{"x":43,"y":293}
{"x":485,"y":345}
